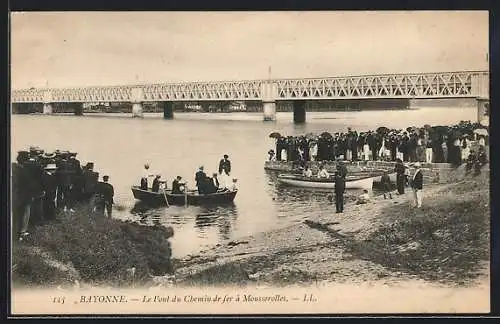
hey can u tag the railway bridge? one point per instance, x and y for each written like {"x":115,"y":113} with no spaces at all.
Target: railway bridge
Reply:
{"x":460,"y":84}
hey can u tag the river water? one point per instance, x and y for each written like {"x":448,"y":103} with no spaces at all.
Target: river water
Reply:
{"x":119,"y":146}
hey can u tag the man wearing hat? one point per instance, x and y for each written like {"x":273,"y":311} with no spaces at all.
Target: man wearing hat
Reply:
{"x":49,"y":186}
{"x":201,"y":179}
{"x":417,"y":184}
{"x":225,"y":165}
{"x":106,"y":191}
{"x":339,"y":192}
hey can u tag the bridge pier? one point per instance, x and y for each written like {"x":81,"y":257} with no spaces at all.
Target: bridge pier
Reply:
{"x":168,"y":110}
{"x":78,"y":109}
{"x":483,"y":111}
{"x":299,"y":111}
{"x":47,"y":109}
{"x":269,"y":110}
{"x":137,"y":109}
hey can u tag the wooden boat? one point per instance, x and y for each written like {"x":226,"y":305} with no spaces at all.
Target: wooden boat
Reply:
{"x":352,"y":181}
{"x":192,"y":197}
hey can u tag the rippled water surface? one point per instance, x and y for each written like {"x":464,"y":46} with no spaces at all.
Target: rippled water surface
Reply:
{"x":120,"y":145}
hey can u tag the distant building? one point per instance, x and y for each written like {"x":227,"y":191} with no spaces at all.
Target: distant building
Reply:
{"x":237,"y":106}
{"x":192,"y":107}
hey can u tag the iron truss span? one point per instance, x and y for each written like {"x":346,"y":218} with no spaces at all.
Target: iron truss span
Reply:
{"x":469,"y":84}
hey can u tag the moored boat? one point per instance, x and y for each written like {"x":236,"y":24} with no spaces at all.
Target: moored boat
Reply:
{"x":191,"y":197}
{"x":352,"y":182}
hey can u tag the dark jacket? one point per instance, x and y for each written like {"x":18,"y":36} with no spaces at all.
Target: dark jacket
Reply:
{"x":418,"y":180}
{"x":224,"y":165}
{"x":400,"y":169}
{"x":176,"y":187}
{"x":106,"y":190}
{"x":339,"y":184}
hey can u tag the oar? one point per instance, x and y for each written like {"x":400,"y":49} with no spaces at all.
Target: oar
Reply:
{"x":165,"y":196}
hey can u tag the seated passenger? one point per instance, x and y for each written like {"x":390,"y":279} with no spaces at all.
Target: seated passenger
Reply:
{"x":212,"y":184}
{"x":178,"y":186}
{"x":232,"y":186}
{"x":271,"y":155}
{"x":323,"y":173}
{"x":307,"y":172}
{"x":363,"y":198}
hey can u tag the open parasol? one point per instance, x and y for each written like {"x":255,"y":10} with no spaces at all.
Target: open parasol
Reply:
{"x":326,"y":135}
{"x":481,"y":131}
{"x":382,"y":130}
{"x":275,"y":135}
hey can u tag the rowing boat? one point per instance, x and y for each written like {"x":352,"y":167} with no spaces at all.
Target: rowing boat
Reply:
{"x":192,"y":196}
{"x":351,"y":182}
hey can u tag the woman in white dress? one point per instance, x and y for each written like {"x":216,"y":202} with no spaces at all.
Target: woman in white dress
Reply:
{"x":465,"y":148}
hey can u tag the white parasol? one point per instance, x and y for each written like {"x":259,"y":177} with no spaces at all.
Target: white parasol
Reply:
{"x":481,"y":131}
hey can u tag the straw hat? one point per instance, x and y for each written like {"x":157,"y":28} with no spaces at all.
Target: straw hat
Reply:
{"x":51,"y":166}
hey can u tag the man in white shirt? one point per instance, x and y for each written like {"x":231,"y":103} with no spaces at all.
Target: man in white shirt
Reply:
{"x":232,"y":186}
{"x":307,"y":172}
{"x":146,"y":174}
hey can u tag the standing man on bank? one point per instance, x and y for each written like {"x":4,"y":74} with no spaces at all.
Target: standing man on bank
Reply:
{"x":107,"y":192}
{"x":417,"y":185}
{"x":339,"y":192}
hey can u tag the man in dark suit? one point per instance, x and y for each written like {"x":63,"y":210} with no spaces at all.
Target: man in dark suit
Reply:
{"x":339,"y":192}
{"x":417,"y":185}
{"x":107,"y":192}
{"x":200,"y":178}
{"x":50,"y":187}
{"x":225,"y":165}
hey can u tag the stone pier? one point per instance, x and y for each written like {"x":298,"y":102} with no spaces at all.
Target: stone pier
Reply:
{"x":137,"y":99}
{"x":47,"y":109}
{"x":483,"y":111}
{"x":269,"y":111}
{"x":168,"y":110}
{"x":269,"y":94}
{"x":47,"y":103}
{"x":299,"y":111}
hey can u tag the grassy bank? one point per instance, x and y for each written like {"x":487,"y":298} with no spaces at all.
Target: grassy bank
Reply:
{"x":446,"y":241}
{"x":94,"y":250}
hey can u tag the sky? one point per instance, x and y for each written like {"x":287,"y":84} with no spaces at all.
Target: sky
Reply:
{"x":70,"y":49}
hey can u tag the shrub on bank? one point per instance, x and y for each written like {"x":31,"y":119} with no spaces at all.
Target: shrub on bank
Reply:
{"x":445,"y":241}
{"x":103,"y":250}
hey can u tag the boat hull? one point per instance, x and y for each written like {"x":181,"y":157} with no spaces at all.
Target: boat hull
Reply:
{"x":193,"y":198}
{"x":364,"y":183}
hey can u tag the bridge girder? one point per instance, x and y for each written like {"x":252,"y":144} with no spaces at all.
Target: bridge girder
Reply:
{"x":468,"y":84}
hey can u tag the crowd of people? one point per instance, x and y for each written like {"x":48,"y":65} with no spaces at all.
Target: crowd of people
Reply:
{"x":218,"y":182}
{"x":431,"y":144}
{"x":44,"y":182}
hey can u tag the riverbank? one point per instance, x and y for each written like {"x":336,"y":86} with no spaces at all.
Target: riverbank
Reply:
{"x":386,"y":241}
{"x":79,"y":248}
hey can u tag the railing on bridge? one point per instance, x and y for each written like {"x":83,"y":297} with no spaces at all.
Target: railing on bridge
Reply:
{"x":468,"y":84}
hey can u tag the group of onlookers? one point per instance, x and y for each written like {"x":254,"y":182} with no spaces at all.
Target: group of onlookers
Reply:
{"x":437,"y":144}
{"x":44,"y":182}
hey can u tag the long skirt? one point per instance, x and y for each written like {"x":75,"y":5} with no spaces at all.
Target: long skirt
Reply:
{"x":366,"y":152}
{"x":401,"y":179}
